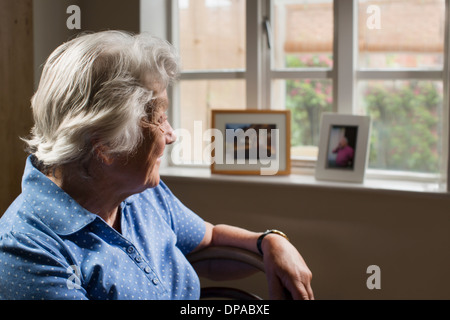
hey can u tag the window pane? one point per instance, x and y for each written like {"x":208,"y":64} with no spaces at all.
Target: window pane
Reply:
{"x":406,"y":124}
{"x":307,"y":99}
{"x":303,"y":33}
{"x":212,"y":34}
{"x":197,"y":99}
{"x":401,"y":33}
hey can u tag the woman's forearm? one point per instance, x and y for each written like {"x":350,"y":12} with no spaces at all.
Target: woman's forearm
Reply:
{"x":227,"y":235}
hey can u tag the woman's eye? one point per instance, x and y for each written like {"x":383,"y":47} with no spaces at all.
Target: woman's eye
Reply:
{"x":163,"y":118}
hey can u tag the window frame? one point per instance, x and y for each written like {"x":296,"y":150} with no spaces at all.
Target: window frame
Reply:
{"x":344,"y":75}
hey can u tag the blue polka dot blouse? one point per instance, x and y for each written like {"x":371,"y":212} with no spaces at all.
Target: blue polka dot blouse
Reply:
{"x":52,"y":248}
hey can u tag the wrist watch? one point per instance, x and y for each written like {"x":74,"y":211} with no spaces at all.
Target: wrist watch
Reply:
{"x":261,"y":237}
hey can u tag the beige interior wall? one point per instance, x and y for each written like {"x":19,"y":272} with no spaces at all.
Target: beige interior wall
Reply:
{"x":340,"y":232}
{"x":112,"y":14}
{"x":50,"y":30}
{"x":50,"y":18}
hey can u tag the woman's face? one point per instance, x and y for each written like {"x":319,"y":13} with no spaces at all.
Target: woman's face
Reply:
{"x":165,"y":135}
{"x":141,"y":170}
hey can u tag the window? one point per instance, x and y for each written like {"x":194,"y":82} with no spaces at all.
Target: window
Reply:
{"x":388,"y":59}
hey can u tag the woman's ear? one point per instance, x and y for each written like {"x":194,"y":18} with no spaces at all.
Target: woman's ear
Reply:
{"x":102,"y":154}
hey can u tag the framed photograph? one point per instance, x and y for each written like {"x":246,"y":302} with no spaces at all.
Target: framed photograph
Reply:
{"x":253,"y":142}
{"x":343,"y":147}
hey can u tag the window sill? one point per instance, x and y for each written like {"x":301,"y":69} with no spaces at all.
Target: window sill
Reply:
{"x":305,"y":177}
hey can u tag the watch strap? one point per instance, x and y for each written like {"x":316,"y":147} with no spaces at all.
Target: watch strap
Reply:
{"x":265,"y":233}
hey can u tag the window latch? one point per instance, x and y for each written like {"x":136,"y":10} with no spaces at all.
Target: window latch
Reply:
{"x":268,"y":28}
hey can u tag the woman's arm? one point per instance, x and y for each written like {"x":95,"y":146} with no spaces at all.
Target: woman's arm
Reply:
{"x":285,"y":267}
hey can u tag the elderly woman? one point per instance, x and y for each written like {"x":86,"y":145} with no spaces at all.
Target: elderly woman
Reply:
{"x":93,"y":220}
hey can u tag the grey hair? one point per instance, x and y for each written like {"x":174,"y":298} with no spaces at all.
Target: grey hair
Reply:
{"x":96,"y":90}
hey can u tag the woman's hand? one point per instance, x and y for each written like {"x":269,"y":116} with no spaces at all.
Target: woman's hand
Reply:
{"x":287,"y":274}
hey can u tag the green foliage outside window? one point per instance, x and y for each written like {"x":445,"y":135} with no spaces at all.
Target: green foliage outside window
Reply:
{"x":406,"y":126}
{"x":307,"y":99}
{"x":406,"y":129}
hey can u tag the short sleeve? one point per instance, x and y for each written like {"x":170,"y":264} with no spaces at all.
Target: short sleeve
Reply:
{"x":188,"y":226}
{"x":31,"y":270}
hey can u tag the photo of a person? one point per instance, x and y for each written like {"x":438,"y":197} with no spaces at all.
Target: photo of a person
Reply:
{"x":244,"y":141}
{"x":341,"y":151}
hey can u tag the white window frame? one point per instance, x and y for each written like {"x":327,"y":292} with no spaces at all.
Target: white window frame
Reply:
{"x":344,"y":75}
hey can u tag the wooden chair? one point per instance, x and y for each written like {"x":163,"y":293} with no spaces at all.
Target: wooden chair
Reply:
{"x":223,"y":264}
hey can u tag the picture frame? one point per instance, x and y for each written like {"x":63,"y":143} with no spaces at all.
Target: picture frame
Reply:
{"x":343,"y":147}
{"x":251,"y":142}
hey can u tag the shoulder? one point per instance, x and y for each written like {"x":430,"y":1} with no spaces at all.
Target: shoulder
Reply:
{"x":35,"y":266}
{"x":30,"y":251}
{"x":18,"y":217}
{"x":21,"y":231}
